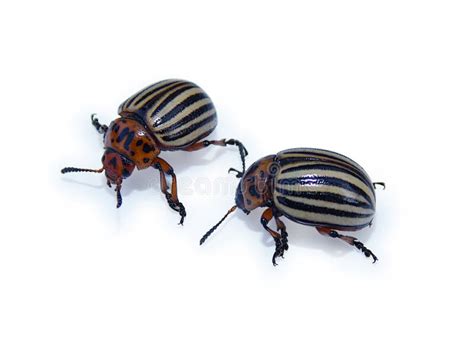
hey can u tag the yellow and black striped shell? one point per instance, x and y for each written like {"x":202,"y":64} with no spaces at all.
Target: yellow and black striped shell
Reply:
{"x":323,"y":188}
{"x":177,"y":112}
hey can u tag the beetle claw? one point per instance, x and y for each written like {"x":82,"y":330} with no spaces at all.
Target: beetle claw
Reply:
{"x":239,"y":173}
{"x":374,"y":184}
{"x":176,"y":206}
{"x":243,"y":153}
{"x":367,"y":252}
{"x":281,"y":245}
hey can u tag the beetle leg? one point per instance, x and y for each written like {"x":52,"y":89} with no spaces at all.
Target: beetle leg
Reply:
{"x":350,"y":240}
{"x":222,"y":142}
{"x":281,"y":227}
{"x":101,"y":128}
{"x":119,"y":196}
{"x":284,"y":235}
{"x":172,"y":197}
{"x":374,"y":184}
{"x":281,"y":240}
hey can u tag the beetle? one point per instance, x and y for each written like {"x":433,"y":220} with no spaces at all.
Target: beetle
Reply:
{"x":314,"y":187}
{"x":169,"y":115}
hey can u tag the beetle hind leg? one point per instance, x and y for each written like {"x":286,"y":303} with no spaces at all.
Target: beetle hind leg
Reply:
{"x":281,"y":239}
{"x":243,"y":153}
{"x":349,"y":240}
{"x":223,"y":143}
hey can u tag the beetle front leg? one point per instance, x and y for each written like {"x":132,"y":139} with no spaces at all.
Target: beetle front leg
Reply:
{"x":223,"y":142}
{"x":119,"y":195}
{"x":281,"y":240}
{"x":101,"y":128}
{"x":172,"y":197}
{"x":349,"y":240}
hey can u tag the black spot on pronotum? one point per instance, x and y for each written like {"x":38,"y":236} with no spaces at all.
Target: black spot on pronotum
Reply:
{"x":147,"y":148}
{"x":126,"y":133}
{"x":139,"y":142}
{"x":253,"y":191}
{"x":113,"y":162}
{"x":146,"y":160}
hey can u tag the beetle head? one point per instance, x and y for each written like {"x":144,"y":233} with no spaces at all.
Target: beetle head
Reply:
{"x":254,"y":189}
{"x":117,"y":167}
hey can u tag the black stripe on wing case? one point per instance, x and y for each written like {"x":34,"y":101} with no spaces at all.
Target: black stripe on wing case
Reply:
{"x":172,"y":96}
{"x":325,"y":196}
{"x":327,"y":167}
{"x":188,"y":130}
{"x":192,"y":116}
{"x":181,"y":106}
{"x":319,"y":209}
{"x":159,"y":91}
{"x":324,"y":153}
{"x":362,"y":175}
{"x":325,"y":180}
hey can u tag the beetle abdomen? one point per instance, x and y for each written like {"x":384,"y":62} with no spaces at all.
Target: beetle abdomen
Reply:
{"x":322,"y":188}
{"x":178,"y":112}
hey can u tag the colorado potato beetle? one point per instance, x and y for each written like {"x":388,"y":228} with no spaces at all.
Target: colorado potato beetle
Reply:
{"x":166,"y":116}
{"x":314,"y":187}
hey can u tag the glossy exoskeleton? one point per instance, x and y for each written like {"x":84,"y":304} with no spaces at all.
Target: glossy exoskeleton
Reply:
{"x":314,"y":187}
{"x":166,"y":116}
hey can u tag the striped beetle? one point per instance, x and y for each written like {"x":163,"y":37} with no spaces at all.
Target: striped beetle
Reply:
{"x":168,"y":115}
{"x":314,"y":187}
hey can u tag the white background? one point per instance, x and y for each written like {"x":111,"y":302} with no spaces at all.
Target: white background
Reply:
{"x":389,"y":84}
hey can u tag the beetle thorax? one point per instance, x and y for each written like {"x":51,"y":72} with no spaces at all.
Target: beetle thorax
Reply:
{"x":132,"y":140}
{"x":255,"y":187}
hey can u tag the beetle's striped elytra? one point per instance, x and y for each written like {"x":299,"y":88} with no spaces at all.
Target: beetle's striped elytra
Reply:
{"x":315,"y":187}
{"x":177,"y":112}
{"x":166,"y":116}
{"x":321,"y":188}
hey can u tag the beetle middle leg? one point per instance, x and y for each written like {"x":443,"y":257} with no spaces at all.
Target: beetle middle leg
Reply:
{"x":172,"y":197}
{"x":281,"y":240}
{"x":350,"y":240}
{"x":223,"y":142}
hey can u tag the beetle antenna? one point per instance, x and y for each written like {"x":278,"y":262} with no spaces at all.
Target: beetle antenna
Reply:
{"x":77,"y":170}
{"x":210,"y":231}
